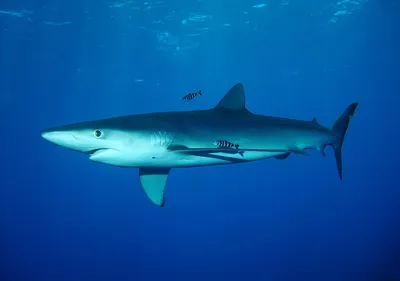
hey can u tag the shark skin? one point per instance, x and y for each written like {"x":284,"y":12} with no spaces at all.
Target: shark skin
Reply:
{"x":157,"y":142}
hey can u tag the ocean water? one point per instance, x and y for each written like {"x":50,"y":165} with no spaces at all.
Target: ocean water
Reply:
{"x":63,"y":217}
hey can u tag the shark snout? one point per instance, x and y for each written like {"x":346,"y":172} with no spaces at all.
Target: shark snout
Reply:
{"x":55,"y":136}
{"x":48,"y":135}
{"x":62,"y":138}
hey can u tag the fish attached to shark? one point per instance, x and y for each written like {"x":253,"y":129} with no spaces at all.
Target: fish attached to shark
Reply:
{"x":157,"y":142}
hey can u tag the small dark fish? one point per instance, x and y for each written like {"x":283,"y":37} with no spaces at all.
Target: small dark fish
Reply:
{"x":191,"y":96}
{"x":225,"y":144}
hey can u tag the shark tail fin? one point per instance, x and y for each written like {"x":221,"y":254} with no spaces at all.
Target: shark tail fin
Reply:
{"x":340,"y":128}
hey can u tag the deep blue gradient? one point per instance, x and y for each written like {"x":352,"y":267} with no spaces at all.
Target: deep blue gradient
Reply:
{"x":63,"y":217}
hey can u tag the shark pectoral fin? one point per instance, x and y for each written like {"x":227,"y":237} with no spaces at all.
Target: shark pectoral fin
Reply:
{"x":283,"y":156}
{"x":153,"y":181}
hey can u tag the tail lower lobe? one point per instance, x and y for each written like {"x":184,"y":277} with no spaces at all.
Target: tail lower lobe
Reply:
{"x":340,"y":128}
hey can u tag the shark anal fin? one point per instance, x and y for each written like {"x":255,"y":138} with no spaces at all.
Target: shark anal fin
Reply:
{"x":282,"y":156}
{"x":153,"y":181}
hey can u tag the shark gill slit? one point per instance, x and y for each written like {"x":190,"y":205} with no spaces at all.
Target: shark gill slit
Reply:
{"x":161,"y":139}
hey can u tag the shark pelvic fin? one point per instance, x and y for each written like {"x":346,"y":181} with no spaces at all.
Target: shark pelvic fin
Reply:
{"x":283,"y":156}
{"x":153,"y":181}
{"x":234,"y":99}
{"x":299,"y":151}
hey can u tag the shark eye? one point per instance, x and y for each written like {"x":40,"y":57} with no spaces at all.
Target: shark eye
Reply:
{"x":98,"y":133}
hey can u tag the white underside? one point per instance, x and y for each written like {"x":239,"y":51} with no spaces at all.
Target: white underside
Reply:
{"x":160,"y":157}
{"x":176,"y":160}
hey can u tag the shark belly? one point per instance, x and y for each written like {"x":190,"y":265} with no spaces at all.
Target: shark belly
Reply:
{"x":173,"y":159}
{"x":179,"y":160}
{"x":153,"y":148}
{"x":202,"y":137}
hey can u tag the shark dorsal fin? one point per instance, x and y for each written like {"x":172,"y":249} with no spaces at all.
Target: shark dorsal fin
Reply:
{"x":314,"y":120}
{"x":234,"y":99}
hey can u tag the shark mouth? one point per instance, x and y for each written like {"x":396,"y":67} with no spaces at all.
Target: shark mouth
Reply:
{"x":96,"y":154}
{"x":96,"y":150}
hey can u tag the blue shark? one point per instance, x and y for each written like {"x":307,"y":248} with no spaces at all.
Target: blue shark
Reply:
{"x":157,"y":142}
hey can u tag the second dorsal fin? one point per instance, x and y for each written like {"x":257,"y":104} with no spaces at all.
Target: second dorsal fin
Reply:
{"x":234,"y":99}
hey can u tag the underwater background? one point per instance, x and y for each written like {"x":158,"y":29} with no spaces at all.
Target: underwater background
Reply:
{"x":63,"y":217}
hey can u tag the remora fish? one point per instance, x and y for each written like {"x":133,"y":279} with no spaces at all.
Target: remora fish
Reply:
{"x":225,"y":143}
{"x":191,"y":96}
{"x":157,"y":142}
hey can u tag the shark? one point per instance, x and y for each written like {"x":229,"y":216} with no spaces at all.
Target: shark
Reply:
{"x":157,"y":142}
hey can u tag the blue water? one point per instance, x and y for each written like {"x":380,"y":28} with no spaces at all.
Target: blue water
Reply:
{"x":63,"y":217}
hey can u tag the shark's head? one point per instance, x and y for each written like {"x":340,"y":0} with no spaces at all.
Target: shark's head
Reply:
{"x":104,"y":141}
